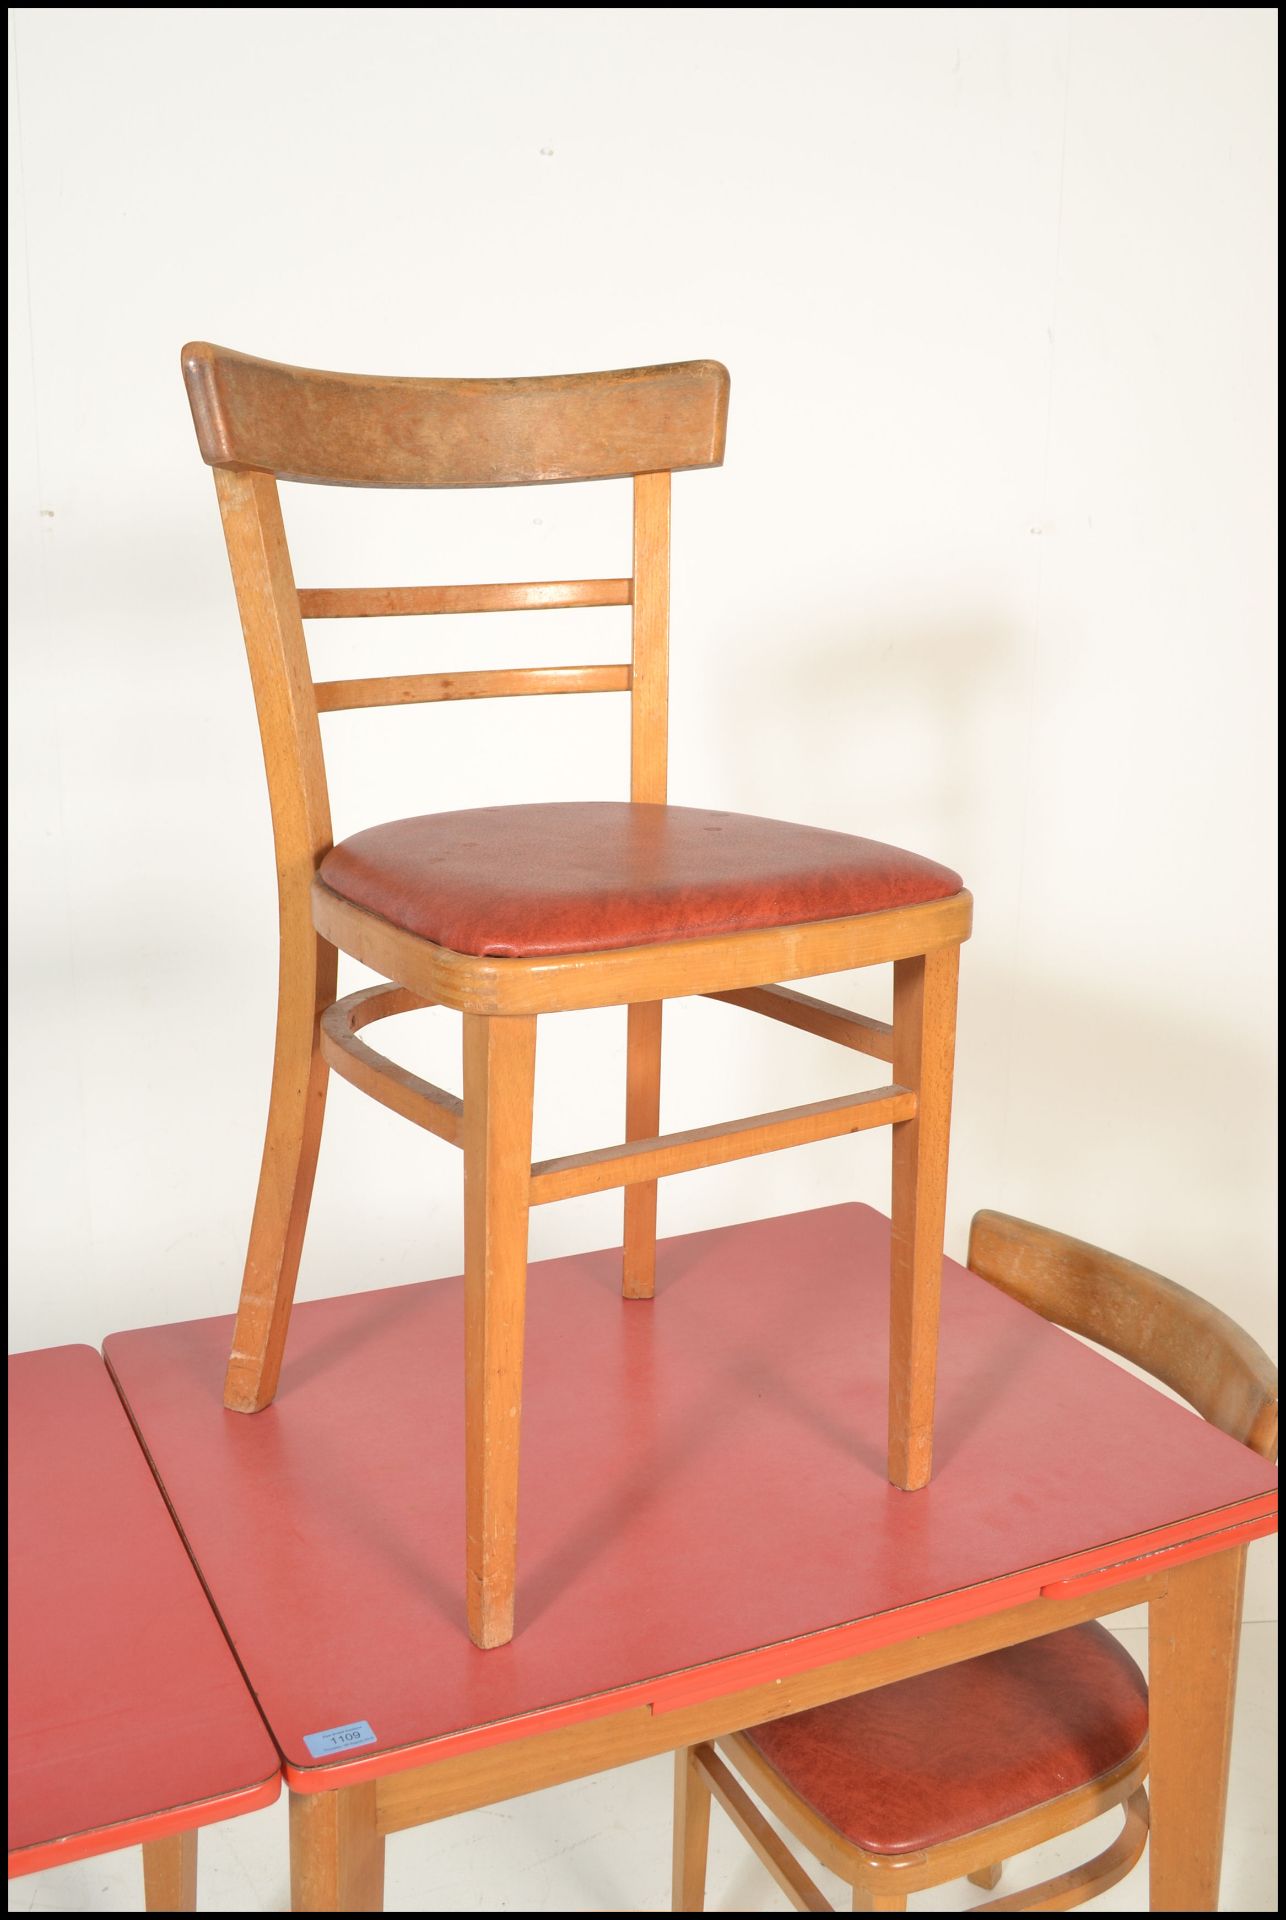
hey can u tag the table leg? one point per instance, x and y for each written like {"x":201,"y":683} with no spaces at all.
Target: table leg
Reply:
{"x":691,"y":1833}
{"x":169,"y":1874}
{"x":1194,"y":1634}
{"x":336,"y":1852}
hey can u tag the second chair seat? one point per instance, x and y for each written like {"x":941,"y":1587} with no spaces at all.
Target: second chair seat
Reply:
{"x":583,"y":877}
{"x":924,"y":1761}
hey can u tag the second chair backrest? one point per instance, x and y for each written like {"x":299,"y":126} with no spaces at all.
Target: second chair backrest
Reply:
{"x":259,"y":422}
{"x":1173,"y":1334}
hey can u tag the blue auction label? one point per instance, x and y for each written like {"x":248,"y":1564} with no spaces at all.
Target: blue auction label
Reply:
{"x":358,"y":1733}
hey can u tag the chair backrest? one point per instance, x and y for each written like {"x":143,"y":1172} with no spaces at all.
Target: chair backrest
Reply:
{"x":258,"y":422}
{"x":1172,"y":1334}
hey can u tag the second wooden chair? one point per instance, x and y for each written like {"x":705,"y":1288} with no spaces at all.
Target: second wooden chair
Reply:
{"x":948,"y":1774}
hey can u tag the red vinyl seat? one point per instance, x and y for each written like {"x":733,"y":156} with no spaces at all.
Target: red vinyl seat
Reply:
{"x":931,"y":1759}
{"x":582,"y":877}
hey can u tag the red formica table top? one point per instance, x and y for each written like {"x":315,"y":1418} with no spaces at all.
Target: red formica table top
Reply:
{"x":128,"y":1717}
{"x":704,"y":1500}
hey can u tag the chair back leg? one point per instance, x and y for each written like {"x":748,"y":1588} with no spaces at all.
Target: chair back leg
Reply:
{"x":642,"y":1122}
{"x":297,"y":1107}
{"x":924,"y":1036}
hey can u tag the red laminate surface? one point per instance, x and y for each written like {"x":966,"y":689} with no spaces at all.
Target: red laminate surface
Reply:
{"x":703,"y":1485}
{"x":128,"y":1717}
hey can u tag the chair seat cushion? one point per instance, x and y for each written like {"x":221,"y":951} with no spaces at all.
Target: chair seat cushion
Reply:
{"x":580,"y":877}
{"x":941,"y":1755}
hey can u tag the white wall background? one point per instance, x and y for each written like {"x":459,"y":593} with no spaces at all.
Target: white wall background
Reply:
{"x":988,"y":574}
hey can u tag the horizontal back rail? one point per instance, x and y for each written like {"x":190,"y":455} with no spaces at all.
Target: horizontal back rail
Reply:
{"x":1148,"y":1319}
{"x":489,"y":683}
{"x":362,"y":430}
{"x":525,"y":596}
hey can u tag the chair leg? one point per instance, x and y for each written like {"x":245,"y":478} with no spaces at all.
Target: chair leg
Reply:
{"x":864,"y":1902}
{"x":924,"y":1032}
{"x":306,"y":987}
{"x":1097,"y":1876}
{"x":336,"y":1851}
{"x":987,"y":1877}
{"x":642,"y":1122}
{"x":499,"y":1082}
{"x":691,"y":1833}
{"x":169,"y":1874}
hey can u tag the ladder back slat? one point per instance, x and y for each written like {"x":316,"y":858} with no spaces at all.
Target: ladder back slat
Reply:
{"x":517,"y":596}
{"x":491,"y":683}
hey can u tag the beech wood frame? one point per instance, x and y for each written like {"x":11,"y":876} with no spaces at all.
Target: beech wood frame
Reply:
{"x":256,"y":423}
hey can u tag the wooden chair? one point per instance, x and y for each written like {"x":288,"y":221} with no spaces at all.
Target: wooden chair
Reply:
{"x":952,"y":1772}
{"x":503,"y":914}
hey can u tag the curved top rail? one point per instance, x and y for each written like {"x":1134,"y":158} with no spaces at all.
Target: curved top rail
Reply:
{"x":373,"y":430}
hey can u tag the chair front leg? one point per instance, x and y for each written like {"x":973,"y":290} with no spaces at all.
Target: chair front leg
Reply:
{"x":642,"y":1122}
{"x":924,"y":1037}
{"x":499,"y":1082}
{"x":297,"y":1106}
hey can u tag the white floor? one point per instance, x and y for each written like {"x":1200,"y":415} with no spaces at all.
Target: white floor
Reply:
{"x":603,"y":1846}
